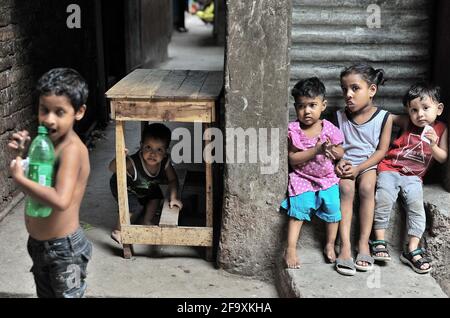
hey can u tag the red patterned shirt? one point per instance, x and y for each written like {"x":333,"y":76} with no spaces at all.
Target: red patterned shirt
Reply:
{"x":409,"y":155}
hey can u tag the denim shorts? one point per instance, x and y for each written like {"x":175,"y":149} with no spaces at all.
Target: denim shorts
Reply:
{"x":59,"y":265}
{"x":325,"y":204}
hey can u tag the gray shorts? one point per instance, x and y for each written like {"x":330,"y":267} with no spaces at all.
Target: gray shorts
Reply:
{"x":390,"y":185}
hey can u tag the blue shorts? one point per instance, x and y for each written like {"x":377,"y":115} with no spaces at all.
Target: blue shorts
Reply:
{"x":325,"y":204}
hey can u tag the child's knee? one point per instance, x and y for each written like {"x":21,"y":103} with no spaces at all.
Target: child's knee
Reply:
{"x":367,"y":190}
{"x":383,"y":197}
{"x":347,"y":191}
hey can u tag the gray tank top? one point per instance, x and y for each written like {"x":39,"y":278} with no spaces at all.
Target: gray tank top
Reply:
{"x":361,"y":141}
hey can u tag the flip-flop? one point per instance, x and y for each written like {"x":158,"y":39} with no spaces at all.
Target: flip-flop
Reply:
{"x":345,"y":266}
{"x":364,"y":258}
{"x":116,"y":237}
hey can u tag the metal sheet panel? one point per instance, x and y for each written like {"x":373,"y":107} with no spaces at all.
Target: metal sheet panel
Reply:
{"x":328,"y":35}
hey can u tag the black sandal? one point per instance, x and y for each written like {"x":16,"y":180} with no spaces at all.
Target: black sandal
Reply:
{"x":408,"y":258}
{"x":374,"y":249}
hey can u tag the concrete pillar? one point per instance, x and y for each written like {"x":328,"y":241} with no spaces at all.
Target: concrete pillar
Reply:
{"x":256,"y":98}
{"x":442,"y":65}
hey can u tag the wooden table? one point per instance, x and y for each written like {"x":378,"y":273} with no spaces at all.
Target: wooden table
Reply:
{"x":164,"y":95}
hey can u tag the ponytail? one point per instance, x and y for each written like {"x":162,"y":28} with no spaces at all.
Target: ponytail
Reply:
{"x":379,"y":77}
{"x":367,"y":72}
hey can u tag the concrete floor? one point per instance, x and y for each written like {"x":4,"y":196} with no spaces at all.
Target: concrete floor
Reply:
{"x":154,"y":271}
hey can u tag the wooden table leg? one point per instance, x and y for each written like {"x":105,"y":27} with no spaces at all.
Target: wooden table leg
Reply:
{"x":209,"y":191}
{"x":124,"y":214}
{"x":127,"y":251}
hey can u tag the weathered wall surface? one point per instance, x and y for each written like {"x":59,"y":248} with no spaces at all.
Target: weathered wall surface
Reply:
{"x":256,"y":96}
{"x":156,"y":28}
{"x":437,"y":235}
{"x":328,"y":35}
{"x":34,"y":37}
{"x":441,"y":65}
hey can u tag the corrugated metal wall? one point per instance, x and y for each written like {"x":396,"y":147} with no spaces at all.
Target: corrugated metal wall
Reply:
{"x":328,"y":35}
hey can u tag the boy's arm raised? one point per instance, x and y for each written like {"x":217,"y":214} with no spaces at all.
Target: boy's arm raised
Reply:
{"x":439,"y":152}
{"x":60,"y":196}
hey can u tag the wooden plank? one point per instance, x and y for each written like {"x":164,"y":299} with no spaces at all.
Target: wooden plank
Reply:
{"x":209,"y":181}
{"x":181,"y":111}
{"x":171,"y":83}
{"x":144,"y":84}
{"x":141,"y":83}
{"x":191,"y":85}
{"x":169,"y":216}
{"x":182,"y":235}
{"x":121,"y":174}
{"x":127,"y":251}
{"x":209,"y":191}
{"x":122,"y":88}
{"x":149,"y":85}
{"x":212,"y":86}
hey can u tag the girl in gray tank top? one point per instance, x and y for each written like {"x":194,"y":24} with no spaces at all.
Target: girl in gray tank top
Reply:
{"x":367,"y":131}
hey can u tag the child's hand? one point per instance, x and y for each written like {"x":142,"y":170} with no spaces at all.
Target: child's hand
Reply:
{"x":330,"y":150}
{"x":432,"y":136}
{"x":345,"y":170}
{"x":175,"y":202}
{"x":16,"y":168}
{"x":334,"y":153}
{"x":18,"y":141}
{"x":319,"y":147}
{"x":350,"y":172}
{"x":340,"y":166}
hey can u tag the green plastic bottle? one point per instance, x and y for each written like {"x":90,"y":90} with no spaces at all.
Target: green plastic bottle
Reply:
{"x":41,"y":160}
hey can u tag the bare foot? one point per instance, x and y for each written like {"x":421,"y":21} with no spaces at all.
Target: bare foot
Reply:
{"x":291,"y":259}
{"x":329,"y":253}
{"x":115,"y":235}
{"x":345,"y":252}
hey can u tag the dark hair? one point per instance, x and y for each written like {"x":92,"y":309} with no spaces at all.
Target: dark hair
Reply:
{"x":422,"y":89}
{"x":367,"y":72}
{"x":157,"y":131}
{"x":64,"y":81}
{"x":309,"y":87}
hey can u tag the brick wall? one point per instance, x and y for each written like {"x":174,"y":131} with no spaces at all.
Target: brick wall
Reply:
{"x":34,"y":38}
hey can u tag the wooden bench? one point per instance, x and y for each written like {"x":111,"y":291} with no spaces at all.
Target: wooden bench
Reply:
{"x":165,"y":95}
{"x":169,"y":216}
